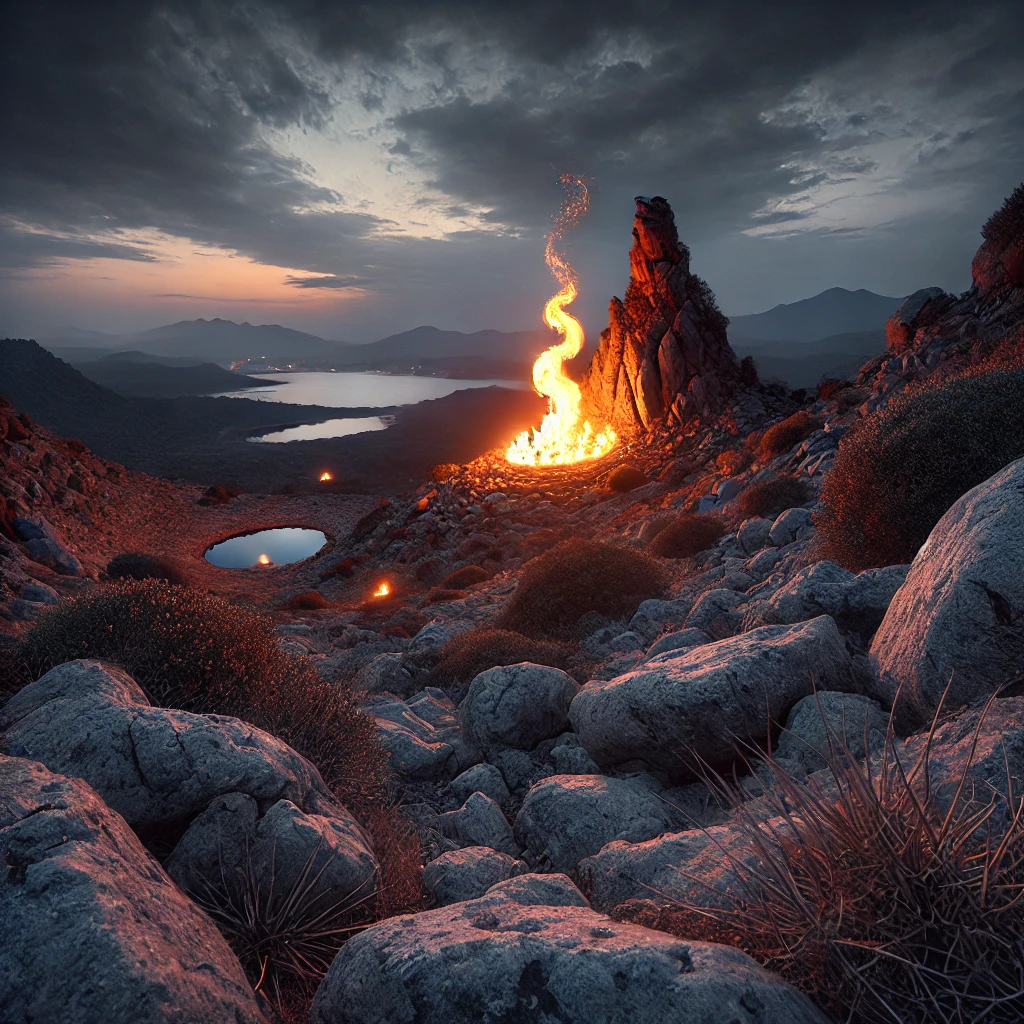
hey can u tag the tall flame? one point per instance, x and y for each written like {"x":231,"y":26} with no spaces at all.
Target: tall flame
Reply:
{"x":561,"y":438}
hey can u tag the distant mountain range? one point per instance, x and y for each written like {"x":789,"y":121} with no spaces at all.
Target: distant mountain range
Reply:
{"x":830,"y":334}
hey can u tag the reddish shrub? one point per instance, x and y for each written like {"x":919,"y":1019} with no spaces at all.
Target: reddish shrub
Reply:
{"x":468,"y":654}
{"x":732,"y":462}
{"x":780,"y":438}
{"x":897,"y":472}
{"x":625,"y":478}
{"x":441,"y":595}
{"x":135,"y":566}
{"x":465,"y":577}
{"x":308,"y":601}
{"x":16,"y":429}
{"x":770,"y":497}
{"x":578,"y":576}
{"x":219,"y":495}
{"x":686,"y":536}
{"x":829,"y":387}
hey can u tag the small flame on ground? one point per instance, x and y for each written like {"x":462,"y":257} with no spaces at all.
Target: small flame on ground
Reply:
{"x":264,"y":560}
{"x":382,"y":591}
{"x":561,"y":438}
{"x":325,"y":476}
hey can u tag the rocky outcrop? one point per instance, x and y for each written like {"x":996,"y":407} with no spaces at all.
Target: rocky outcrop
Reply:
{"x":93,"y":931}
{"x":460,"y":875}
{"x":958,"y":620}
{"x":664,"y":356}
{"x":497,"y":959}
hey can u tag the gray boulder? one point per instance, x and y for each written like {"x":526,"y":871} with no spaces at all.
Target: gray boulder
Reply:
{"x":752,"y":535}
{"x":568,"y":817}
{"x":154,"y":766}
{"x":45,"y":546}
{"x":516,"y":706}
{"x":494,"y":959}
{"x":467,"y":874}
{"x":385,"y":674}
{"x":653,"y":617}
{"x":958,"y":620}
{"x":678,"y":641}
{"x":792,"y":525}
{"x":481,"y":778}
{"x":826,"y":721}
{"x":705,"y":699}
{"x":479,"y":822}
{"x":533,"y":890}
{"x":715,"y":613}
{"x":94,"y":932}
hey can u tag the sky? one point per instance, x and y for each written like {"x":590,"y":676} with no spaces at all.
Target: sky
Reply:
{"x":354,"y":170}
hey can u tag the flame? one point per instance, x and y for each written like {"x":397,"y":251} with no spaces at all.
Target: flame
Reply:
{"x":382,"y":591}
{"x":264,"y":560}
{"x":325,"y":476}
{"x":561,"y":438}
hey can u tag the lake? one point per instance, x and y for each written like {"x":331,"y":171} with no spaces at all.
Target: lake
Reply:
{"x":361,"y":390}
{"x":328,"y":428}
{"x":267,"y":547}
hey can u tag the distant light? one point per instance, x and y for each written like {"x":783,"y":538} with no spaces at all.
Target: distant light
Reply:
{"x":382,"y":591}
{"x":265,"y":560}
{"x":325,"y":476}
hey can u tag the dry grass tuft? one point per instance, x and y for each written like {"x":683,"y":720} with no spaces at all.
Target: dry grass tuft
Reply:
{"x":686,"y":536}
{"x":556,"y":589}
{"x":770,"y":497}
{"x":780,"y":438}
{"x":308,"y":601}
{"x":882,"y":902}
{"x":467,"y":655}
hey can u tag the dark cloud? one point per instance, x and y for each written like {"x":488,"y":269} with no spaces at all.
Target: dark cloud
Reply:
{"x":133,"y":116}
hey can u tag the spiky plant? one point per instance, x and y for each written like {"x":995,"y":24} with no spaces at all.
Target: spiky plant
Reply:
{"x":884,"y":902}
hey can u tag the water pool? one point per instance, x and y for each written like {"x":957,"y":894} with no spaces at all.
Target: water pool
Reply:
{"x":266,"y":547}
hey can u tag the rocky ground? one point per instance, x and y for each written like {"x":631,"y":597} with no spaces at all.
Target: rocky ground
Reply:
{"x":556,"y":807}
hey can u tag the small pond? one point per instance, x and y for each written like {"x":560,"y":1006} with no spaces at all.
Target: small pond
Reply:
{"x":329,"y":428}
{"x":267,"y":547}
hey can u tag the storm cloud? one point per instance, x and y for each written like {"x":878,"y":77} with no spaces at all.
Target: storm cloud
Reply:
{"x":402,"y":157}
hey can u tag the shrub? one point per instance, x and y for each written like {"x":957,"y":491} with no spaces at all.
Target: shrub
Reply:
{"x":880,"y":901}
{"x":135,"y":566}
{"x":770,"y":497}
{"x":686,"y":536}
{"x":219,"y":495}
{"x":780,"y":438}
{"x":467,"y":655}
{"x":465,"y":577}
{"x":733,"y":461}
{"x":308,"y":601}
{"x":442,"y":595}
{"x":623,"y":479}
{"x":444,"y":472}
{"x":897,"y":472}
{"x":829,"y":387}
{"x":578,"y":576}
{"x":192,"y":650}
{"x":1006,"y":225}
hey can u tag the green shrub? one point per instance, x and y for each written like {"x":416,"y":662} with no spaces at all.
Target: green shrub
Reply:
{"x":881,"y":901}
{"x":191,"y":650}
{"x":467,"y":576}
{"x":686,"y":536}
{"x":578,"y":576}
{"x":899,"y":471}
{"x":468,"y":654}
{"x":770,"y":497}
{"x":780,"y":438}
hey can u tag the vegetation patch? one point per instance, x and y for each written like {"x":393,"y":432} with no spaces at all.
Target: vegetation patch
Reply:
{"x":467,"y":576}
{"x":899,"y":471}
{"x":578,"y":576}
{"x":135,"y":566}
{"x":308,"y":601}
{"x":467,"y":655}
{"x":783,"y":436}
{"x":770,"y":497}
{"x":623,"y":479}
{"x":686,"y":536}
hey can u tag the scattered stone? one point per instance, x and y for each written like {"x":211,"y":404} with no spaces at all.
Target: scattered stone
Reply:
{"x":792,"y":525}
{"x":715,"y":613}
{"x":481,"y":778}
{"x":479,"y":822}
{"x":752,"y":535}
{"x":460,"y":875}
{"x":385,"y":674}
{"x":824,"y":723}
{"x":653,"y":617}
{"x":533,"y":890}
{"x":678,"y":641}
{"x":45,"y":546}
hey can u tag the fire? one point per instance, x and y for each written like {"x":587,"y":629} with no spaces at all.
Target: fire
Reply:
{"x":561,"y":438}
{"x":382,"y":591}
{"x":264,"y":560}
{"x":325,"y":476}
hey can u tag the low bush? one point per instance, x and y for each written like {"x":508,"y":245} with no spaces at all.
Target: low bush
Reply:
{"x":770,"y":497}
{"x":578,"y":576}
{"x":898,"y":472}
{"x":442,"y":595}
{"x":623,"y":479}
{"x":191,"y":650}
{"x":467,"y":576}
{"x":733,"y":461}
{"x":444,"y":472}
{"x":1006,"y":225}
{"x":468,"y":654}
{"x":885,"y":904}
{"x":829,"y":387}
{"x":780,"y":438}
{"x":686,"y":536}
{"x":308,"y":601}
{"x":136,"y":566}
{"x":219,"y":495}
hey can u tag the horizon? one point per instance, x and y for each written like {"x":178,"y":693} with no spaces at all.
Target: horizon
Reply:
{"x":351,"y":177}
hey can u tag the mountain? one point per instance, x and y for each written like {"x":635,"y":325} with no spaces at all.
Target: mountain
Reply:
{"x":803,"y":364}
{"x":423,"y":345}
{"x":152,"y":377}
{"x":832,"y":312}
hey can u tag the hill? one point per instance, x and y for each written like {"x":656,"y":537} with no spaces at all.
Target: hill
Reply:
{"x":151,"y":377}
{"x":423,"y":345}
{"x":803,"y":364}
{"x":831,"y":312}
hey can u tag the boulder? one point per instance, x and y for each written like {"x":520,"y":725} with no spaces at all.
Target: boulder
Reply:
{"x":568,"y":817}
{"x":481,"y":778}
{"x":715,"y":613}
{"x":154,"y":766}
{"x":793,"y":524}
{"x":45,"y":546}
{"x":569,"y":758}
{"x":704,"y":700}
{"x":411,"y":756}
{"x":94,"y":932}
{"x":516,"y":706}
{"x":752,"y":535}
{"x":496,"y":959}
{"x":653,"y":617}
{"x":958,"y":620}
{"x":828,"y":721}
{"x":467,"y":874}
{"x":478,"y":822}
{"x":678,"y":641}
{"x":385,"y":674}
{"x":533,"y":890}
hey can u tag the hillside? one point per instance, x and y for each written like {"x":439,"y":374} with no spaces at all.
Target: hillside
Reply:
{"x":803,"y":364}
{"x":831,"y":312}
{"x":145,"y":379}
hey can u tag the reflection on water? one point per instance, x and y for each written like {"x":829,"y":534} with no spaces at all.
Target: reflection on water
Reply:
{"x":278,"y":547}
{"x":361,"y":390}
{"x":329,"y":428}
